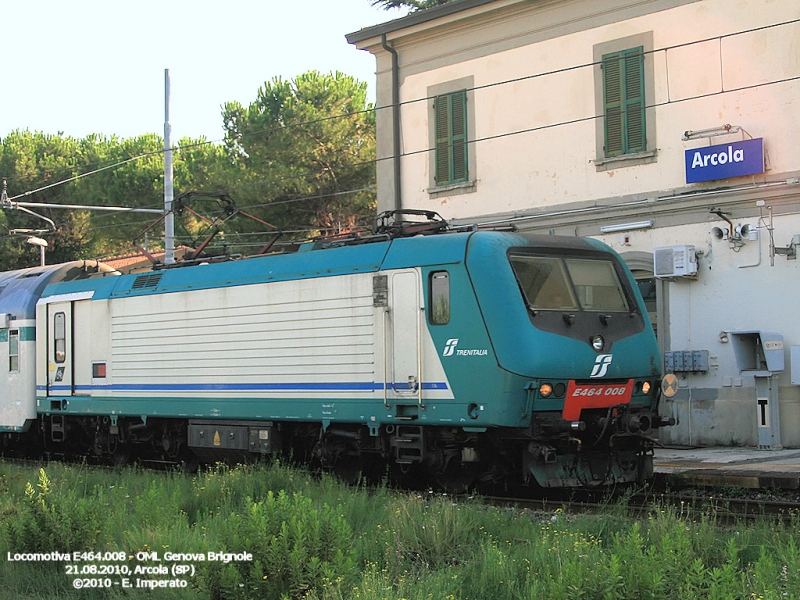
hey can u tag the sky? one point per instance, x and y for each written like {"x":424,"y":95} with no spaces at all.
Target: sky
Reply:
{"x":79,"y":67}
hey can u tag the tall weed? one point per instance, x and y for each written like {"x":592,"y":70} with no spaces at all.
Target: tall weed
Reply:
{"x":296,"y":548}
{"x":430,"y":534}
{"x":51,"y":519}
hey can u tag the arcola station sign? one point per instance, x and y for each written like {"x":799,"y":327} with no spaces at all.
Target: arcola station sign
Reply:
{"x":725,"y":160}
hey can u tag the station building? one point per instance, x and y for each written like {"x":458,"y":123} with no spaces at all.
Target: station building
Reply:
{"x":668,"y":129}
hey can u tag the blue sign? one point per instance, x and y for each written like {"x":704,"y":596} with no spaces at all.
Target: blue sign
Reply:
{"x":736,"y":159}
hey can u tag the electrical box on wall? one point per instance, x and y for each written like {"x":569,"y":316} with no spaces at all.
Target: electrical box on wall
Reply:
{"x":758,"y":353}
{"x":675,"y":261}
{"x":686,"y":361}
{"x":794,"y":355}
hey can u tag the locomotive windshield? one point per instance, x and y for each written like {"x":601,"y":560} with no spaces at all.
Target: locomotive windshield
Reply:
{"x":567,"y":283}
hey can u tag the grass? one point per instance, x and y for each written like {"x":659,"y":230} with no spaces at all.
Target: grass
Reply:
{"x":313,"y":537}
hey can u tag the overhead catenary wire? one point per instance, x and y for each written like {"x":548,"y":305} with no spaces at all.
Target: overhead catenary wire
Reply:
{"x":428,"y":98}
{"x":469,"y":142}
{"x":82,"y":175}
{"x":431,"y":149}
{"x":309,"y":122}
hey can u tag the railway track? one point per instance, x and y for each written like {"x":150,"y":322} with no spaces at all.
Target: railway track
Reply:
{"x":723,"y":510}
{"x":711,"y":504}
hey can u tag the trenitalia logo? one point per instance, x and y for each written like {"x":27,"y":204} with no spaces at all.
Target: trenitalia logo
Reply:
{"x":601,"y":364}
{"x":450,"y":350}
{"x":450,"y":347}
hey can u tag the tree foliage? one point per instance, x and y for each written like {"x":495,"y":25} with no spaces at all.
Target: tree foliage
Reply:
{"x":303,"y":147}
{"x":412,"y":4}
{"x":32,"y":161}
{"x":293,"y":158}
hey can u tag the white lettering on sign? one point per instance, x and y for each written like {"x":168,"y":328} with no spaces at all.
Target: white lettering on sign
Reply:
{"x":719,"y":158}
{"x":599,"y":391}
{"x":450,"y":350}
{"x":472,"y":352}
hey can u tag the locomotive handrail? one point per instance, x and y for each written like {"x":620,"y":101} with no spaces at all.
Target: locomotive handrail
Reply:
{"x":419,"y":356}
{"x":385,"y":382}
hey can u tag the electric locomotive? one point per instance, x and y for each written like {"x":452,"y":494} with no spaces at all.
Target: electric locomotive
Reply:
{"x":466,"y":356}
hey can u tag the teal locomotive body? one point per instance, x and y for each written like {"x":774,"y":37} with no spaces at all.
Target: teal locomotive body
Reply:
{"x":467,"y":357}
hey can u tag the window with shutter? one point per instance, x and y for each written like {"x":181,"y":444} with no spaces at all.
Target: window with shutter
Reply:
{"x":450,"y":112}
{"x":624,"y":102}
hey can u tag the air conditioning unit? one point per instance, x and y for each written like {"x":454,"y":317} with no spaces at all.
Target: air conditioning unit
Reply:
{"x":675,"y":261}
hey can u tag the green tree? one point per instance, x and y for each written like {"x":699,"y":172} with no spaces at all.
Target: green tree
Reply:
{"x":32,"y":161}
{"x":301,"y":156}
{"x":135,"y":179}
{"x":114,"y":172}
{"x":413,"y":4}
{"x":304,"y":151}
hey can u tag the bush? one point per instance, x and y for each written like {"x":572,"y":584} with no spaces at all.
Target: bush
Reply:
{"x":48,"y":520}
{"x":296,"y":549}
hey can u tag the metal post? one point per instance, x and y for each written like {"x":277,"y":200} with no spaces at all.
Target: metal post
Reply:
{"x":169,"y":220}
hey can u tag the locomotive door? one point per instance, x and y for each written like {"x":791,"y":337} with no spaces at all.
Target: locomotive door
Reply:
{"x":405,"y":311}
{"x":60,"y":371}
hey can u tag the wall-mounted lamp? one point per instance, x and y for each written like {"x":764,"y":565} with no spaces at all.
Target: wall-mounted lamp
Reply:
{"x":709,"y":133}
{"x":37,"y":241}
{"x":626,"y":226}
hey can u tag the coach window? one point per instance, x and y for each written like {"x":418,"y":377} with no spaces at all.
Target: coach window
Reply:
{"x":439,"y":308}
{"x":60,"y":337}
{"x":13,"y":350}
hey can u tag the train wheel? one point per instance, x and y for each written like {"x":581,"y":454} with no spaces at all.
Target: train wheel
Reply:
{"x":121,"y":455}
{"x":189,"y":463}
{"x":457,"y":477}
{"x":349,"y":467}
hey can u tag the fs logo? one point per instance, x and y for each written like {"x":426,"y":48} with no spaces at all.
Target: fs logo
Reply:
{"x":450,"y":347}
{"x":601,"y":364}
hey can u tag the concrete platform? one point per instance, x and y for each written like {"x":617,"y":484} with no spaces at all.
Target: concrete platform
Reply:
{"x":729,"y":466}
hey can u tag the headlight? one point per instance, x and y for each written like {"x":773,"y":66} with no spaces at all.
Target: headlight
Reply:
{"x":545,"y":390}
{"x":646,"y":387}
{"x":598,"y":342}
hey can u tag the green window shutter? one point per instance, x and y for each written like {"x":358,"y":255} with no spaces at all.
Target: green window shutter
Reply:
{"x":458,"y":102}
{"x":451,"y":137}
{"x":623,"y":100}
{"x":634,"y":100}
{"x":441,"y":107}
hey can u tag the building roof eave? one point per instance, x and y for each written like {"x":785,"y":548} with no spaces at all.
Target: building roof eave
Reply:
{"x":415,"y":18}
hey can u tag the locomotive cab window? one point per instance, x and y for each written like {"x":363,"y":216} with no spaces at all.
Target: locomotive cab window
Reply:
{"x":597,"y":285}
{"x":566,"y":283}
{"x":544,"y":282}
{"x":439,"y":305}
